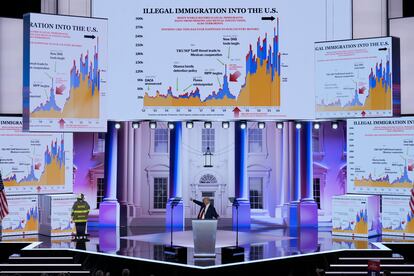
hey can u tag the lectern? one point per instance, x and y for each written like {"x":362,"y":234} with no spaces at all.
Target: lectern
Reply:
{"x":204,"y":234}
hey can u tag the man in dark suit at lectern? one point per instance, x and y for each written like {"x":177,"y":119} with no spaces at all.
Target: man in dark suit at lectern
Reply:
{"x":207,"y":210}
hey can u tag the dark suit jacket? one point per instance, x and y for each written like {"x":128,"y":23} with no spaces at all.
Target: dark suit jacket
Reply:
{"x":211,"y":211}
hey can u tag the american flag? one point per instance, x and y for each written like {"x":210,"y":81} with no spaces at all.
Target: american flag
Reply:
{"x":4,"y":206}
{"x":412,"y":201}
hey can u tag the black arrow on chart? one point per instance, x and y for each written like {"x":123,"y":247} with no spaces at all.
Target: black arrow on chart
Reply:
{"x":89,"y":36}
{"x":271,"y":18}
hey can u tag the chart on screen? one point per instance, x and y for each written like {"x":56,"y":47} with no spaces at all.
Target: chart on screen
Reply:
{"x":65,"y":73}
{"x":354,"y":78}
{"x":213,"y":60}
{"x":380,"y":156}
{"x":34,"y":163}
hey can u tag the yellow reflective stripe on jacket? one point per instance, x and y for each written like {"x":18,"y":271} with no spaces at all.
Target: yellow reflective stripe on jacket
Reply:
{"x":80,"y":216}
{"x":80,"y":211}
{"x":79,"y":220}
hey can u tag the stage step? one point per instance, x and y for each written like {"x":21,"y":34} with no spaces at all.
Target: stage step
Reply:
{"x":357,"y":264}
{"x":40,"y":266}
{"x":43,"y":259}
{"x":370,"y":258}
{"x":37,"y":272}
{"x":38,"y":261}
{"x":46,"y":253}
{"x":365,"y":253}
{"x":364,"y":267}
{"x":364,"y":260}
{"x":365,"y":273}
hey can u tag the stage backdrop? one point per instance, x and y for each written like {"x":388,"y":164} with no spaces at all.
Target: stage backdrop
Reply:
{"x":216,"y":59}
{"x":64,"y":73}
{"x":380,"y":156}
{"x":354,"y":78}
{"x":33,"y":163}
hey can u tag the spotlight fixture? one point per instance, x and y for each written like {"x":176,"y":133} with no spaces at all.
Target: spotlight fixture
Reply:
{"x":316,"y":125}
{"x":334,"y":125}
{"x":170,"y":125}
{"x":261,"y":125}
{"x":279,"y":125}
{"x":135,"y":125}
{"x":208,"y":124}
{"x":189,"y":124}
{"x":117,"y":125}
{"x":153,"y":125}
{"x":225,"y":125}
{"x":243,"y":125}
{"x":298,"y":125}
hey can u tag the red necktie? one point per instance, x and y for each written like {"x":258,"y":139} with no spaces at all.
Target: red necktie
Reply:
{"x":200,"y":215}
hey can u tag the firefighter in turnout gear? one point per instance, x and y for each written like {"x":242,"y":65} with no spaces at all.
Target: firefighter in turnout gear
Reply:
{"x":80,"y":211}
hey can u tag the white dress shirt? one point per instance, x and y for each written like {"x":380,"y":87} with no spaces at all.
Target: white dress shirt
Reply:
{"x":205,"y":211}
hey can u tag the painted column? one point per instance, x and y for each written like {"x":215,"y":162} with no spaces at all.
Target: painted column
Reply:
{"x":122,"y":174}
{"x":286,"y":172}
{"x":294,"y":174}
{"x":137,"y":174}
{"x":280,"y":188}
{"x":131,"y":172}
{"x":240,"y":177}
{"x":308,"y":207}
{"x":109,"y":209}
{"x":294,"y":179}
{"x":297,"y":164}
{"x":130,"y":164}
{"x":175,"y":179}
{"x":231,"y":191}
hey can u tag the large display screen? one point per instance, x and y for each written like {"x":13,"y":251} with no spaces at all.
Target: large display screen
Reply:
{"x":355,"y":215}
{"x":35,"y":163}
{"x":174,"y":60}
{"x":380,"y":156}
{"x":397,"y":217}
{"x":23,"y":217}
{"x":64,"y":73}
{"x":354,"y":78}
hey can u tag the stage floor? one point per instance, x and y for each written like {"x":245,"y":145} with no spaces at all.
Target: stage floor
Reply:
{"x":259,"y":244}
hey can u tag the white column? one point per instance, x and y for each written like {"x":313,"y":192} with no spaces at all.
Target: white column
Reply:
{"x":241,"y":214}
{"x":285,"y":161}
{"x":294,"y":175}
{"x":175,"y":212}
{"x":187,"y":167}
{"x":123,"y":163}
{"x":286,"y":172}
{"x":293,"y":192}
{"x":280,"y":189}
{"x":131,"y":168}
{"x":308,"y":211}
{"x":129,"y":188}
{"x":109,"y":213}
{"x":137,"y":171}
